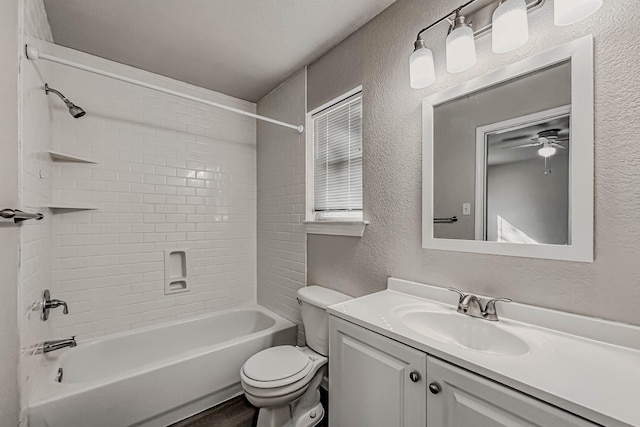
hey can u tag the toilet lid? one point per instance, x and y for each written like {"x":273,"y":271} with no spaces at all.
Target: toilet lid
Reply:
{"x":276,"y":363}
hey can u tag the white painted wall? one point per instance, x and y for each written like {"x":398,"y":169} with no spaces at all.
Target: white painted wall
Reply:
{"x":9,"y":198}
{"x":281,"y":201}
{"x":35,"y":20}
{"x":377,"y":56}
{"x":534,"y":203}
{"x":170,"y":174}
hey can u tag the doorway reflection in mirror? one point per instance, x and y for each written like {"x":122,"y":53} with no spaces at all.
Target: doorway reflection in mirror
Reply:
{"x":524,"y":176}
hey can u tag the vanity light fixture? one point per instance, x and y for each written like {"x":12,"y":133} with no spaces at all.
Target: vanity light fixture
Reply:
{"x":567,"y":12}
{"x":461,"y":45}
{"x":510,"y":26}
{"x":422,"y":71}
{"x":508,"y":21}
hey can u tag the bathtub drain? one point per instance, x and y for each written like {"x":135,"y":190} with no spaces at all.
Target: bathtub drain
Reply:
{"x":59,"y":375}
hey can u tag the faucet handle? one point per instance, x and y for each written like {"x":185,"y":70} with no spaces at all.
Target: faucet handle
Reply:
{"x":47,"y":304}
{"x":57,"y":303}
{"x":459,"y":292}
{"x":489,"y":311}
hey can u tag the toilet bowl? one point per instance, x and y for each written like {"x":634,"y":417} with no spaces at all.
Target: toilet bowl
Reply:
{"x":284,"y":381}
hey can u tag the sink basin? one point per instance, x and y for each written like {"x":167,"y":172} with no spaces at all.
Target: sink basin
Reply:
{"x":465,"y":331}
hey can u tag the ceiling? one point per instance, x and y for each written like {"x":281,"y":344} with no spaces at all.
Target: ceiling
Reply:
{"x":243,"y":48}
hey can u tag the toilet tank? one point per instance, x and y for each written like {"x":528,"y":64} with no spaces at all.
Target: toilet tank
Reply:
{"x":314,"y":301}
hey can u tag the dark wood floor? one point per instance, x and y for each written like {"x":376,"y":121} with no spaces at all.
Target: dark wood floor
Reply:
{"x":236,"y":412}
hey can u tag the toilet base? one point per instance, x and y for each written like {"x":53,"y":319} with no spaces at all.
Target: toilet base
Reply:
{"x":310,"y":418}
{"x":306,"y":411}
{"x":282,"y":417}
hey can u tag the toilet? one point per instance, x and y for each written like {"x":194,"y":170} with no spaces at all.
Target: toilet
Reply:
{"x":284,"y":381}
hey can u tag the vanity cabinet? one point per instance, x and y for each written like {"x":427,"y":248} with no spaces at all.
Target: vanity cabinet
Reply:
{"x":458,"y":397}
{"x":375,"y":381}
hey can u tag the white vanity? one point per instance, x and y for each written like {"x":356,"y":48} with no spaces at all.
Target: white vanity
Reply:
{"x":405,"y":357}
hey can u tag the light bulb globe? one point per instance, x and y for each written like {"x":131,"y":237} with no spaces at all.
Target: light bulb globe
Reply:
{"x":510,"y":26}
{"x":422,"y":71}
{"x":567,"y":12}
{"x":547,"y":151}
{"x":461,"y":49}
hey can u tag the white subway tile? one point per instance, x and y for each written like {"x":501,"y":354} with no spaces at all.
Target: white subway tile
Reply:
{"x":158,"y":187}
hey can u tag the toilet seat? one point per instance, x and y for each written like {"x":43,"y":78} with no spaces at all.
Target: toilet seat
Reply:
{"x":276,"y":367}
{"x":301,"y":359}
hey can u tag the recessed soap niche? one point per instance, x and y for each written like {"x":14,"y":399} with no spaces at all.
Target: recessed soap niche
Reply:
{"x":176,"y":271}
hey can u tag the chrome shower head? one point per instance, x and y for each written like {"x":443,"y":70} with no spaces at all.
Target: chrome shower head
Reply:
{"x":74,"y":110}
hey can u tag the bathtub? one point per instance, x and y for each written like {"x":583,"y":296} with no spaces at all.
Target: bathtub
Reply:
{"x":154,"y":376}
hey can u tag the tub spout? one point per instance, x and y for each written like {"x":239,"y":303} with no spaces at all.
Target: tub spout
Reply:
{"x":48,"y":346}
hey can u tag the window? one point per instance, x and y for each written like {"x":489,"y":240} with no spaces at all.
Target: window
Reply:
{"x":336,"y":144}
{"x":337,"y":160}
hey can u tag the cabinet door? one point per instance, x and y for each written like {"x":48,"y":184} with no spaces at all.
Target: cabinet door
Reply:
{"x":370,"y":380}
{"x":467,"y":399}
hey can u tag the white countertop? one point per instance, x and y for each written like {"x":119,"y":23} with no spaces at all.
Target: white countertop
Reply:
{"x":587,"y":366}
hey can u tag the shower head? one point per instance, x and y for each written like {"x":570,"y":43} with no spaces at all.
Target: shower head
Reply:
{"x":74,"y":110}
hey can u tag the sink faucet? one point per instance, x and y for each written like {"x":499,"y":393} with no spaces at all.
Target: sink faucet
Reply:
{"x":48,"y":346}
{"x":471,"y":305}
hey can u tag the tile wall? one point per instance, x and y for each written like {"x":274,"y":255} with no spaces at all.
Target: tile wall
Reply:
{"x":169,"y":174}
{"x":35,"y":183}
{"x":281,"y":201}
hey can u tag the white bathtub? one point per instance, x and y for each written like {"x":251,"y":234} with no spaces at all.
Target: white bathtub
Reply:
{"x":154,"y":376}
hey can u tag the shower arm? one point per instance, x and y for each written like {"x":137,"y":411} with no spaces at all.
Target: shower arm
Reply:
{"x":33,"y":54}
{"x":48,"y":89}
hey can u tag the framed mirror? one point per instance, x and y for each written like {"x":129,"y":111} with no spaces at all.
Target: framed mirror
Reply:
{"x":508,"y":160}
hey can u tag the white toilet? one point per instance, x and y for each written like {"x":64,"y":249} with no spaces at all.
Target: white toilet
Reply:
{"x":284,"y":381}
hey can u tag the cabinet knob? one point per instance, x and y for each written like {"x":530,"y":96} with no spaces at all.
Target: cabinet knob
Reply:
{"x":414,"y":376}
{"x":435,"y":388}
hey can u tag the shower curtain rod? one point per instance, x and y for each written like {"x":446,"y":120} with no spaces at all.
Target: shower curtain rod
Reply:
{"x":33,"y":54}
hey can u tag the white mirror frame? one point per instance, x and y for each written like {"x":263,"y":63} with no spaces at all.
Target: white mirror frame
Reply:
{"x":580,"y":53}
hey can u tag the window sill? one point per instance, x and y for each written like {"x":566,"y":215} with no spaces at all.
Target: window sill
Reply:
{"x":336,"y":228}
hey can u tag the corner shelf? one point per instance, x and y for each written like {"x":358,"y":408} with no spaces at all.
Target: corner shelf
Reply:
{"x":58,"y":156}
{"x":72,"y":207}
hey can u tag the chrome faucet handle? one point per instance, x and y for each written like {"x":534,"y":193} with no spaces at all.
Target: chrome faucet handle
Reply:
{"x":57,"y":303}
{"x":48,"y":303}
{"x":489,"y":312}
{"x":459,"y":292}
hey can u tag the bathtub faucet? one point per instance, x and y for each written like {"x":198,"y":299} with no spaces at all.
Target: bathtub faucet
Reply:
{"x":48,"y":346}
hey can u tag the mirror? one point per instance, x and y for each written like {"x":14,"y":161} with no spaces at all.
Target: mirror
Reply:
{"x":508,"y":160}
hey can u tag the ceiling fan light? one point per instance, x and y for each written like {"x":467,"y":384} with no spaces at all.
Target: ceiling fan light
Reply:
{"x":547,"y":151}
{"x":567,"y":12}
{"x":510,"y":26}
{"x":461,"y":47}
{"x":422,"y":71}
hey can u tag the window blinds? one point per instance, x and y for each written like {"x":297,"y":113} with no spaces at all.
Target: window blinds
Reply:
{"x":338,"y":156}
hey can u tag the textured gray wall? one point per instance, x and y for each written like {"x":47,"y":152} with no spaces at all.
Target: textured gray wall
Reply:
{"x":281,"y":199}
{"x":376,"y":56}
